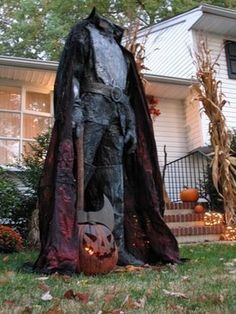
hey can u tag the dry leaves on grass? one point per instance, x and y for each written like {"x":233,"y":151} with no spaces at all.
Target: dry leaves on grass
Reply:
{"x":71,"y":295}
{"x":129,"y":303}
{"x":6,"y":277}
{"x":131,"y":268}
{"x":47,"y":296}
{"x":54,"y":310}
{"x":175,"y":294}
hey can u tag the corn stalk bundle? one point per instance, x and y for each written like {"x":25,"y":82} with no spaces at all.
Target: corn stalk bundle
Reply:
{"x":209,"y":92}
{"x":137,"y":48}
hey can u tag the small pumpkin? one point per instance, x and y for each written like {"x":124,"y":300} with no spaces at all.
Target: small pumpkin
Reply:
{"x":189,"y":195}
{"x":98,"y":252}
{"x":198,"y":209}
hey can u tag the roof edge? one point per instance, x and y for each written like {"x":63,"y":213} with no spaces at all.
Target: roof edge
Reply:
{"x":220,"y":11}
{"x":28,"y":63}
{"x":169,"y":79}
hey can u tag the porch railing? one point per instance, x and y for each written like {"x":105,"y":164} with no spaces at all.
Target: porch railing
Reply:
{"x":187,"y":171}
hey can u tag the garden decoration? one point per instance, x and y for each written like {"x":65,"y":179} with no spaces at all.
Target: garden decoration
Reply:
{"x":97,"y":249}
{"x":199,"y":209}
{"x":189,"y":195}
{"x":209,"y":92}
{"x":108,"y":105}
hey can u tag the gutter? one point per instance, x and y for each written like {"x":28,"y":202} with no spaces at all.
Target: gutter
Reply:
{"x":28,"y":63}
{"x":169,"y":80}
{"x":219,"y":11}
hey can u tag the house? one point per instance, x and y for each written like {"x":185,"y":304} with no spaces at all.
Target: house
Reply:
{"x":171,"y":72}
{"x":26,"y":88}
{"x":26,"y":104}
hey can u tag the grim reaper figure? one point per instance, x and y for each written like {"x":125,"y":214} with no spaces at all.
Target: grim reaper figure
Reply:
{"x":98,"y":95}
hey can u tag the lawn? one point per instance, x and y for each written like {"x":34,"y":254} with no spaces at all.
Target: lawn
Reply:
{"x":205,"y":284}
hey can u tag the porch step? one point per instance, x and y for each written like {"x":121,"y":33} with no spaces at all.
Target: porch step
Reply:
{"x":189,"y":226}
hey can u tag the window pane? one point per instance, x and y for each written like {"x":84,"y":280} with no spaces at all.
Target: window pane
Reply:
{"x":38,"y":102}
{"x":233,"y":66}
{"x":33,"y":125}
{"x":9,"y":151}
{"x":27,"y":149}
{"x":232,"y":49}
{"x":9,"y":124}
{"x":10,"y":98}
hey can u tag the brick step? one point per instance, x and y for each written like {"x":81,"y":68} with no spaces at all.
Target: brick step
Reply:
{"x":183,"y":217}
{"x":173,"y":225}
{"x":178,"y":211}
{"x":198,"y":238}
{"x":183,"y":205}
{"x":198,"y":230}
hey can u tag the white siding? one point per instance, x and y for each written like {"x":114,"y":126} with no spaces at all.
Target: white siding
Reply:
{"x":193,"y":125}
{"x":170,"y":130}
{"x":167,"y":52}
{"x":215,"y":43}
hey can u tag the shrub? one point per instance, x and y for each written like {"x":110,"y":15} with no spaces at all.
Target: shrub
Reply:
{"x":15,"y":207}
{"x":33,"y":162}
{"x":10,"y":240}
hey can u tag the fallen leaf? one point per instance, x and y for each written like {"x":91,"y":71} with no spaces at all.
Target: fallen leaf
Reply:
{"x":175,"y":294}
{"x":43,"y":286}
{"x":229,"y":264}
{"x":129,"y":303}
{"x":233,"y":271}
{"x":66,"y":278}
{"x":69,"y":294}
{"x":129,"y":268}
{"x":10,"y":274}
{"x":4,"y":280}
{"x":108,"y":297}
{"x":141,"y":302}
{"x":8,"y":302}
{"x":172,"y":267}
{"x":5,"y":259}
{"x":46,"y":296}
{"x":42,"y":278}
{"x":27,"y":310}
{"x":54,"y":310}
{"x":83,"y":297}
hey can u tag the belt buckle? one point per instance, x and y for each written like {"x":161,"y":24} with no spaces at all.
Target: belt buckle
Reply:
{"x":116,"y":93}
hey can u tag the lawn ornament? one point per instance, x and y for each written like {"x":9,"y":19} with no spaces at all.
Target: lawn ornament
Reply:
{"x":97,"y":249}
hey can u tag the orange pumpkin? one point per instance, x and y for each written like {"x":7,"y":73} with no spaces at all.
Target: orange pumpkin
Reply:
{"x":98,"y":252}
{"x":189,"y":195}
{"x":199,"y":209}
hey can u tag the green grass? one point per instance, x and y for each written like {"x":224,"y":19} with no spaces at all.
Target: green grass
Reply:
{"x":205,"y":284}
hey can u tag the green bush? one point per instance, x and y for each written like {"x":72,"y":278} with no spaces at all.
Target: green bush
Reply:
{"x":15,"y":207}
{"x":33,"y":162}
{"x":17,"y":204}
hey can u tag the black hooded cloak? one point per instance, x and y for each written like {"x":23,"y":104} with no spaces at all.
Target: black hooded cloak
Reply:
{"x":147,"y":236}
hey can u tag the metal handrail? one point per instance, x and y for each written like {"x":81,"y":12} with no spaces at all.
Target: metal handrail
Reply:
{"x":190,"y":171}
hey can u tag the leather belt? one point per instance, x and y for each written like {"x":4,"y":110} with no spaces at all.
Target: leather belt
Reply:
{"x":113,"y":92}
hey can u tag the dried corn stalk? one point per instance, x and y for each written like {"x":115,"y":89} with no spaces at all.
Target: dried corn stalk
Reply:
{"x":137,"y":48}
{"x":208,"y":91}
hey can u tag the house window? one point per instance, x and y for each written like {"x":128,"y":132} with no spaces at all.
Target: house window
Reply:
{"x":230,"y":51}
{"x":23,"y":115}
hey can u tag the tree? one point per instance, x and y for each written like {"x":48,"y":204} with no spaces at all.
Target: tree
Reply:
{"x":38,"y":28}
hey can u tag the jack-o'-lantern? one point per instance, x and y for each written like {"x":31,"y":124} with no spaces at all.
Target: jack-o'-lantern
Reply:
{"x":98,"y":252}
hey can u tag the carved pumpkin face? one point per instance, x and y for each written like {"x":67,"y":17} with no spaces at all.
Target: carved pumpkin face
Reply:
{"x":97,"y":249}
